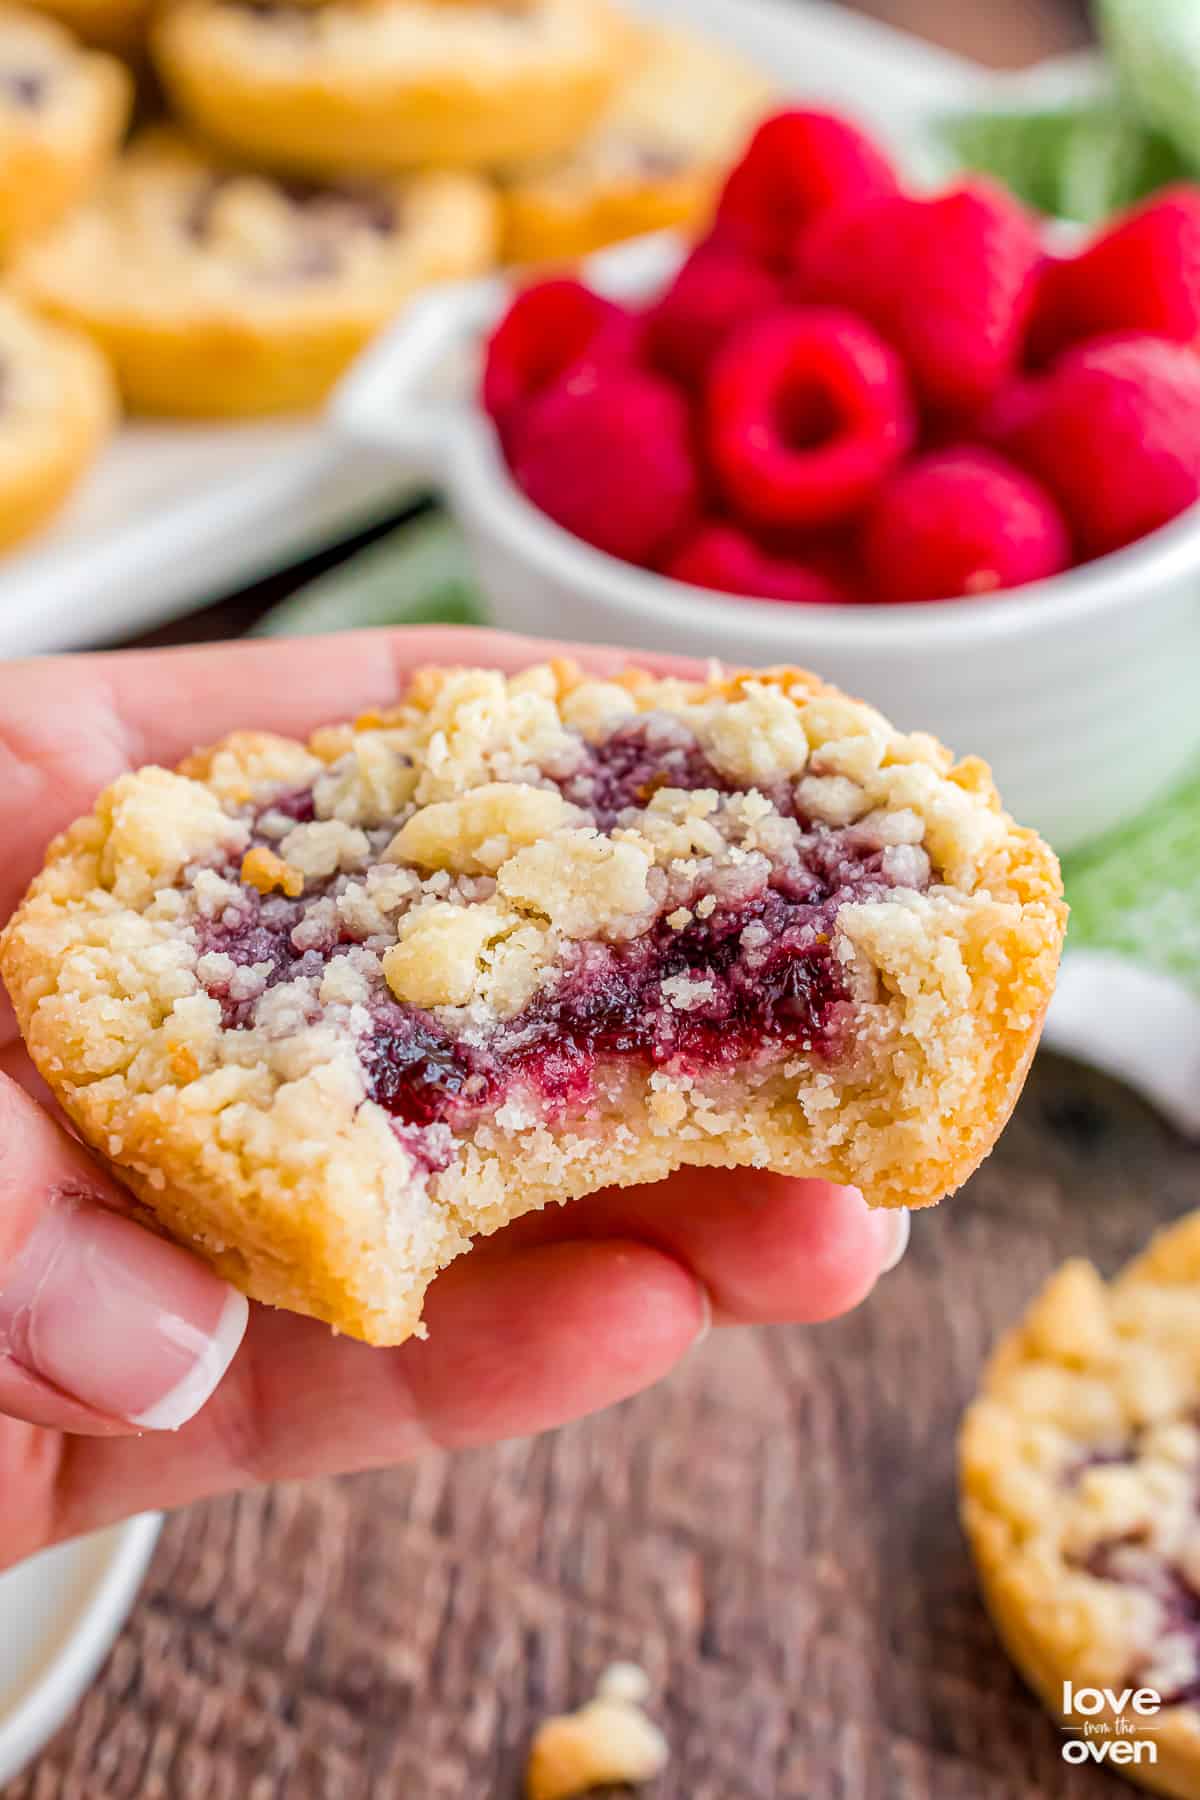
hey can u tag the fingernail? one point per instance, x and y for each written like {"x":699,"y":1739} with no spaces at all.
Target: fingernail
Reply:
{"x":118,"y":1318}
{"x":899,"y":1228}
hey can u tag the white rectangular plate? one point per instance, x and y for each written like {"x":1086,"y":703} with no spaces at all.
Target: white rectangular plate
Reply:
{"x":174,"y":516}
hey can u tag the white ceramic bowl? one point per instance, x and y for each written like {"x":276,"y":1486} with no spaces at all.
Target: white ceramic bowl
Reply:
{"x":1080,"y":691}
{"x":59,"y":1617}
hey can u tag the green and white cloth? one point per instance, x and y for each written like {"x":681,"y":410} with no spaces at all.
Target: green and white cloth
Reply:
{"x":1129,"y":996}
{"x":1128,"y":1000}
{"x":1131,"y":125}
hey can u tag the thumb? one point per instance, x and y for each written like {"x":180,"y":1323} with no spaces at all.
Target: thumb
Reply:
{"x":103,"y":1325}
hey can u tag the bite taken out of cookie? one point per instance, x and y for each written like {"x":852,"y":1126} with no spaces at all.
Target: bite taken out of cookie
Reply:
{"x":334,"y":1010}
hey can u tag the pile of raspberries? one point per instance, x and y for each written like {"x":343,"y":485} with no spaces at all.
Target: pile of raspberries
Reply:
{"x":851,"y":392}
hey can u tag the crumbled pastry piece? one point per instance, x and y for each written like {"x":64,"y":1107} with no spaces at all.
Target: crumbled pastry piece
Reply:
{"x":480,"y":832}
{"x":438,"y":959}
{"x":344,"y":88}
{"x":654,"y":160}
{"x":1080,"y":1479}
{"x":342,"y":1008}
{"x":264,"y":871}
{"x":218,"y":292}
{"x":608,"y":1741}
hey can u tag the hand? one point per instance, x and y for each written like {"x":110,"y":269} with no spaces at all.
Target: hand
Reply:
{"x":110,"y":1336}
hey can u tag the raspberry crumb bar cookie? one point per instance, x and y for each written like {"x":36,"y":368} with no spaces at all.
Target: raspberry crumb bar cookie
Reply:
{"x":219,"y":293}
{"x":381,"y":85}
{"x":334,"y":1010}
{"x":653,"y":161}
{"x":58,"y":406}
{"x":111,"y":24}
{"x":1080,"y":1469}
{"x":62,"y":113}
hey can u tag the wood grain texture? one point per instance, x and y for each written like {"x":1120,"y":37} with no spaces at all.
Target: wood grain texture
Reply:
{"x":772,"y":1533}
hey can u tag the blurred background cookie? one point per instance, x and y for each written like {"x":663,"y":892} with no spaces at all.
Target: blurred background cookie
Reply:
{"x":654,"y":159}
{"x":381,"y":85}
{"x":220,"y":293}
{"x":57,"y":407}
{"x":112,"y":24}
{"x":62,"y":113}
{"x":1078,"y":1469}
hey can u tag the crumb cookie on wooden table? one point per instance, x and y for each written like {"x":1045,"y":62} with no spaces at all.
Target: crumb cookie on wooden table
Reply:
{"x":219,"y":293}
{"x":1080,"y":1469}
{"x":381,"y":85}
{"x":334,"y":1010}
{"x":655,"y":160}
{"x":109,"y":24}
{"x":62,"y":112}
{"x":58,"y":406}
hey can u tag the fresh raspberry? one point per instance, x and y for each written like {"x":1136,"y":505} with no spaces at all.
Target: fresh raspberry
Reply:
{"x":806,"y":411}
{"x":546,"y":329}
{"x":949,"y":281}
{"x":1002,"y":419}
{"x":798,"y":164}
{"x":833,"y":554}
{"x":720,"y":556}
{"x":1142,"y":275}
{"x":608,"y":455}
{"x":1114,"y":432}
{"x":961,"y":522}
{"x":716,"y":290}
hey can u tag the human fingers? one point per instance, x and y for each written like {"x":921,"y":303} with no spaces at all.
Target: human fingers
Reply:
{"x":517,"y":1344}
{"x":71,"y":725}
{"x":104,"y":1326}
{"x":768,"y":1250}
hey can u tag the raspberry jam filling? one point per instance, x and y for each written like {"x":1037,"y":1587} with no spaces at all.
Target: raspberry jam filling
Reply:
{"x":740,"y":968}
{"x":634,"y":762}
{"x":325,"y":213}
{"x":1131,"y":1562}
{"x":26,"y":88}
{"x":1166,"y":1571}
{"x":756,"y":982}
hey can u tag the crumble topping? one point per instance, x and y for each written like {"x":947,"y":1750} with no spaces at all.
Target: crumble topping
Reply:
{"x":417,"y":33}
{"x":342,"y":1007}
{"x":200,"y":233}
{"x":677,"y":886}
{"x":490,"y":896}
{"x":1081,"y":1478}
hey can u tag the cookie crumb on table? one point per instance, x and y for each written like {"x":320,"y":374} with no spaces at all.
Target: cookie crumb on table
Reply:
{"x":609,"y":1740}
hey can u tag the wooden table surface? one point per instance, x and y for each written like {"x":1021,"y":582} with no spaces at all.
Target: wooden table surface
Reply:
{"x":771,"y":1533}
